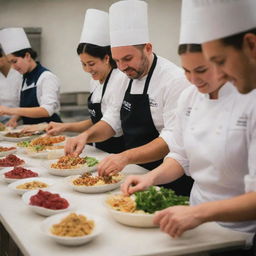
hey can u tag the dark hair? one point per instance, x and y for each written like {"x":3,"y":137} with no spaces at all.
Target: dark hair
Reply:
{"x":237,"y":40}
{"x":1,"y":53}
{"x":22,"y":53}
{"x":139,"y":46}
{"x":96,"y":51}
{"x":184,"y":48}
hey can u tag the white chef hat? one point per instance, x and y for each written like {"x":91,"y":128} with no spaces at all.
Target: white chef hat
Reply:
{"x":13,"y":40}
{"x":215,"y":19}
{"x":96,"y":28}
{"x":188,"y":34}
{"x":128,"y":23}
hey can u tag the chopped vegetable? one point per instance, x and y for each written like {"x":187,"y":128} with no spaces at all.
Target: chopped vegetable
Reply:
{"x":24,"y":144}
{"x":155,"y":199}
{"x":91,"y":161}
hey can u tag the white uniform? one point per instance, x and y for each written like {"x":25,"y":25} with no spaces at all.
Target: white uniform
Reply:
{"x":10,"y":90}
{"x":112,"y":99}
{"x":48,"y":92}
{"x":165,"y":87}
{"x":214,"y":142}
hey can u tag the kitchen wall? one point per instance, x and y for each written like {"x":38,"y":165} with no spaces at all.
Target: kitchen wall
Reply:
{"x":61,"y":22}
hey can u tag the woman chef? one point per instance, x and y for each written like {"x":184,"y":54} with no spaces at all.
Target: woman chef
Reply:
{"x":213,"y":141}
{"x":39,"y":97}
{"x":106,"y":82}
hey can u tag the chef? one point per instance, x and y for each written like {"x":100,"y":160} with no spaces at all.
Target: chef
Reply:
{"x":106,"y":80}
{"x":219,"y":122}
{"x":153,"y":85}
{"x":229,"y":40}
{"x":39,"y":97}
{"x":10,"y":83}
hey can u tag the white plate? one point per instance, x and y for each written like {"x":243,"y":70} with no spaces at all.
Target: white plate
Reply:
{"x":44,"y":211}
{"x":141,"y":220}
{"x":72,"y":241}
{"x":10,"y":180}
{"x":13,"y":185}
{"x":67,"y":172}
{"x":11,"y":139}
{"x":46,"y":154}
{"x":93,"y":189}
{"x":5,"y":153}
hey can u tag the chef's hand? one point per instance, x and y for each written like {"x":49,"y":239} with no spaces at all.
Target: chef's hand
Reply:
{"x":55,"y":128}
{"x":13,"y":122}
{"x":176,"y":220}
{"x":134,"y":183}
{"x":4,"y":110}
{"x":112,"y":164}
{"x":76,"y":144}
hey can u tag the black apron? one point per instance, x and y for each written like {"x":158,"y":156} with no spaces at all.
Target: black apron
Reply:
{"x":139,"y":129}
{"x":114,"y":144}
{"x":28,"y":97}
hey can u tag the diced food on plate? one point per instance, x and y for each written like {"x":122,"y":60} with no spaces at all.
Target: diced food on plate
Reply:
{"x":20,"y":173}
{"x":32,"y":185}
{"x":11,"y":160}
{"x":73,"y":225}
{"x":49,"y":200}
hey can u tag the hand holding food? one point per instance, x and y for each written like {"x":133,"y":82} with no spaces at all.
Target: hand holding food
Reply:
{"x":76,"y":144}
{"x":134,"y":183}
{"x":112,"y":164}
{"x":54,"y":128}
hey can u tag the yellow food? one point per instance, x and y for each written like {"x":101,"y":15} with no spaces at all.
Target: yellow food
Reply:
{"x":73,"y":226}
{"x":32,"y":185}
{"x":122,"y":203}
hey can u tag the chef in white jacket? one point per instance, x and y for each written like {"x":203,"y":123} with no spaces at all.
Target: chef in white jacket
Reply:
{"x":213,"y":142}
{"x":39,"y":97}
{"x":107,"y":89}
{"x":153,"y":86}
{"x":10,"y":84}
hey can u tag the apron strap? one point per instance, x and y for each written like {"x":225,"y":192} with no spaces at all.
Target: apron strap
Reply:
{"x":105,"y":84}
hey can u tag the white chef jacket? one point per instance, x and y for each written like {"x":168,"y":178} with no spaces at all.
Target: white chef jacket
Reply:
{"x":112,"y":99}
{"x":10,"y":90}
{"x":48,"y":92}
{"x":165,"y":87}
{"x":214,"y":141}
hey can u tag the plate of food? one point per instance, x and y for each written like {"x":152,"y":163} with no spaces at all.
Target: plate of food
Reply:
{"x":138,"y":210}
{"x":72,"y":228}
{"x":47,"y":203}
{"x":11,"y":174}
{"x":4,"y":151}
{"x":71,"y":165}
{"x":24,"y":185}
{"x":19,"y":136}
{"x":92,"y":183}
{"x":11,"y":160}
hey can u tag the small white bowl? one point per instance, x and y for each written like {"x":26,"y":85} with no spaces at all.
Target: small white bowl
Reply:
{"x":71,"y":241}
{"x":45,"y":211}
{"x":92,"y":189}
{"x":67,"y":172}
{"x":141,"y":220}
{"x":13,"y":185}
{"x":10,"y":180}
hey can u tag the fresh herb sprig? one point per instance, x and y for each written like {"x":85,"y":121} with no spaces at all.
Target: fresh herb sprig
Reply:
{"x":91,"y":161}
{"x":154,"y":199}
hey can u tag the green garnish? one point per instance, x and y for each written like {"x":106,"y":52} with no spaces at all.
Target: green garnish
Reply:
{"x":154,"y":199}
{"x":91,"y":161}
{"x":24,"y":144}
